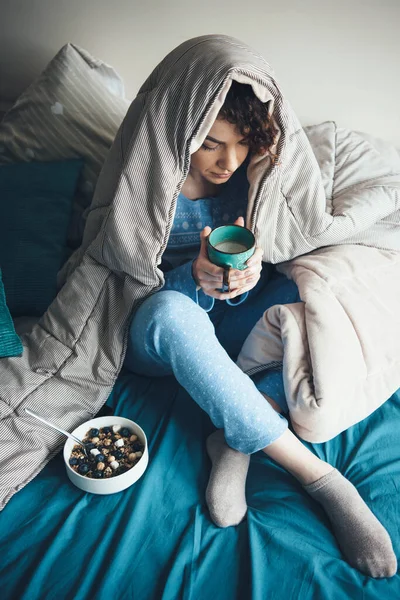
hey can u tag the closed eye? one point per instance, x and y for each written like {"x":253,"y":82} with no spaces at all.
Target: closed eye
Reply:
{"x":209,"y":148}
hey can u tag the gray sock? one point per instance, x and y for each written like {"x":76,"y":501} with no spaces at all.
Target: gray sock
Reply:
{"x":225,"y":494}
{"x":362,"y":538}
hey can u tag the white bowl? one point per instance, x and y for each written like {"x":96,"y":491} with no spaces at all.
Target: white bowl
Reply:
{"x":111,"y":485}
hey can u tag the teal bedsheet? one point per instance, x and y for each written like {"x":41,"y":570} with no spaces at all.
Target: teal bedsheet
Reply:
{"x":156,"y":541}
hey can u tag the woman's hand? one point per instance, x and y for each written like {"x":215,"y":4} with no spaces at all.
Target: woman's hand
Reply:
{"x":209,"y":277}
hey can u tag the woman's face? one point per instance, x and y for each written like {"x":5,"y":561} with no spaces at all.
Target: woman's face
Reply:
{"x":222,"y":152}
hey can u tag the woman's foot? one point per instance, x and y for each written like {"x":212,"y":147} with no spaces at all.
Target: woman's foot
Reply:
{"x":225,"y":494}
{"x":362,"y":538}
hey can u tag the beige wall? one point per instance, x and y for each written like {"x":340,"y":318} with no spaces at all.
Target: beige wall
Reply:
{"x":334,"y":60}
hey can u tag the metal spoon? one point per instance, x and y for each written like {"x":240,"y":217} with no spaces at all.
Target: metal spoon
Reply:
{"x":77,"y":440}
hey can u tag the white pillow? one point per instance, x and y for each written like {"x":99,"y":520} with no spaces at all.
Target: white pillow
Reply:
{"x":73,"y":109}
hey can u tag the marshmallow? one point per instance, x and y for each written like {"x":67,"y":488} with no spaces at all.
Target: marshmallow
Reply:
{"x":119,"y":443}
{"x":116,"y":428}
{"x":114,"y":465}
{"x":95,"y":452}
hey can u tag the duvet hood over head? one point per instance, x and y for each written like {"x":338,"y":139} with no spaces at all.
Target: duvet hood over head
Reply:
{"x":169,"y":119}
{"x":287,"y":206}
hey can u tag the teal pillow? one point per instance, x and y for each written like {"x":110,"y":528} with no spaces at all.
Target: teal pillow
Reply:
{"x":10,"y":344}
{"x":35,"y":210}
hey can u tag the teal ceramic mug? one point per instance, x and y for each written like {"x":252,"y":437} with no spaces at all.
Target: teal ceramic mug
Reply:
{"x":230,"y":246}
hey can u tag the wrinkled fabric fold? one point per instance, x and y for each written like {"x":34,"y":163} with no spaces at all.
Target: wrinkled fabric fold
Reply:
{"x":340,"y":346}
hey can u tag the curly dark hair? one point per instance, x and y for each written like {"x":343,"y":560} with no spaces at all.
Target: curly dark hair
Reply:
{"x":243,"y":109}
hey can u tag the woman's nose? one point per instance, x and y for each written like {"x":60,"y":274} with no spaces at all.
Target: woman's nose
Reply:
{"x":229,"y":161}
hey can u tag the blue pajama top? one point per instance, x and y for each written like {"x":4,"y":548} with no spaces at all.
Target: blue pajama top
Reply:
{"x":191,"y":216}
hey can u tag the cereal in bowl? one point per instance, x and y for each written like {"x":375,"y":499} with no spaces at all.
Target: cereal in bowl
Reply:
{"x":112,"y":451}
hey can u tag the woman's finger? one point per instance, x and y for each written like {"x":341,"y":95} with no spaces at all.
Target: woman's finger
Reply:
{"x":239,"y":221}
{"x":215,"y":293}
{"x":230,"y":295}
{"x":240,"y":276}
{"x":210,"y":276}
{"x":256,"y":258}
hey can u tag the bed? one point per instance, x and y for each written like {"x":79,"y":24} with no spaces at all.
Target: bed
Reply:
{"x":155,"y":540}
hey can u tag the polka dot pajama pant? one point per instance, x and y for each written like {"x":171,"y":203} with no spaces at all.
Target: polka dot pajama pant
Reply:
{"x":171,"y":334}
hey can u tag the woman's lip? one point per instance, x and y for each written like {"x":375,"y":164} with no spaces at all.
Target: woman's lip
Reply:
{"x":221,"y":176}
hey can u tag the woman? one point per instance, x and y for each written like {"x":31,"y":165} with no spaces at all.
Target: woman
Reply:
{"x":171,"y":141}
{"x":193,"y":330}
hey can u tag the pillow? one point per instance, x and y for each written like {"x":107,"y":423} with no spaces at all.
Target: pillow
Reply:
{"x":10,"y":344}
{"x":35,"y":210}
{"x":72,"y":110}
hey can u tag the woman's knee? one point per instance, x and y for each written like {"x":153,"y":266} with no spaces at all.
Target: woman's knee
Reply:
{"x":170,"y":304}
{"x":163,"y":318}
{"x":154,"y":320}
{"x":167,"y":308}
